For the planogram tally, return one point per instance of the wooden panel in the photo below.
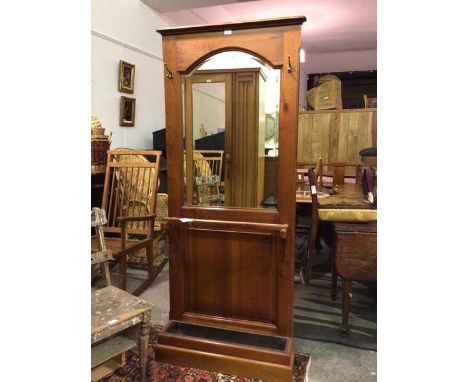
(232, 274)
(191, 51)
(231, 269)
(336, 135)
(356, 255)
(244, 176)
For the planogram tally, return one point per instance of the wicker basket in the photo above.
(100, 143)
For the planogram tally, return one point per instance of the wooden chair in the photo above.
(306, 268)
(119, 320)
(369, 102)
(337, 170)
(303, 223)
(207, 172)
(130, 198)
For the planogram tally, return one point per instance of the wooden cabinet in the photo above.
(247, 141)
(232, 267)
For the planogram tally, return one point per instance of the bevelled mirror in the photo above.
(230, 118)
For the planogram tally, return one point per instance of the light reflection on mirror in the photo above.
(230, 117)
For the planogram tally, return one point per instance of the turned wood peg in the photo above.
(283, 233)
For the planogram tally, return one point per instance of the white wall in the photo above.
(209, 108)
(340, 61)
(125, 30)
(303, 88)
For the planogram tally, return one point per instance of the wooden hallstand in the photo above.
(231, 268)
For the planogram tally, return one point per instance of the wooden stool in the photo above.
(354, 257)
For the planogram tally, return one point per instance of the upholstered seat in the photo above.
(347, 215)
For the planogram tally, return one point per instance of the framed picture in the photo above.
(127, 111)
(126, 77)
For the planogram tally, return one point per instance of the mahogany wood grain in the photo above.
(230, 349)
(238, 25)
(230, 323)
(237, 266)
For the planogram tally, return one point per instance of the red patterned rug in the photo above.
(158, 372)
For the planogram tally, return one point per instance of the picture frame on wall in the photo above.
(127, 111)
(126, 77)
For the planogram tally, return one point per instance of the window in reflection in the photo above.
(231, 132)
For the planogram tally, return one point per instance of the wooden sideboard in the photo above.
(336, 135)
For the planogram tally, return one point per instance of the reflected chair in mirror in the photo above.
(119, 320)
(207, 172)
(130, 200)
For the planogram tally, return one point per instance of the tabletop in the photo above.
(348, 195)
(113, 309)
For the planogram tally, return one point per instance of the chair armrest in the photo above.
(135, 218)
(101, 256)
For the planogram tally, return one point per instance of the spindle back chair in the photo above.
(129, 199)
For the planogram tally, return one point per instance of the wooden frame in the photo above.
(126, 77)
(250, 238)
(127, 111)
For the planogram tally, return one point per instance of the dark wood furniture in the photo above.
(354, 258)
(129, 199)
(232, 268)
(119, 320)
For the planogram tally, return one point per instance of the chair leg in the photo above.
(308, 266)
(144, 339)
(346, 290)
(150, 259)
(123, 273)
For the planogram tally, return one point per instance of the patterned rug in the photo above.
(318, 317)
(158, 372)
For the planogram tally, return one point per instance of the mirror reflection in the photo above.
(231, 104)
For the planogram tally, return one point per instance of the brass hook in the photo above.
(169, 73)
(290, 69)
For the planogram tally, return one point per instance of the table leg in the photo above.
(144, 339)
(333, 273)
(346, 290)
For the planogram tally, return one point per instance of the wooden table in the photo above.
(353, 244)
(349, 190)
(354, 258)
(119, 321)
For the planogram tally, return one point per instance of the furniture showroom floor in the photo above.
(329, 362)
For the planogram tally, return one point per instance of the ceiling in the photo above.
(331, 26)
